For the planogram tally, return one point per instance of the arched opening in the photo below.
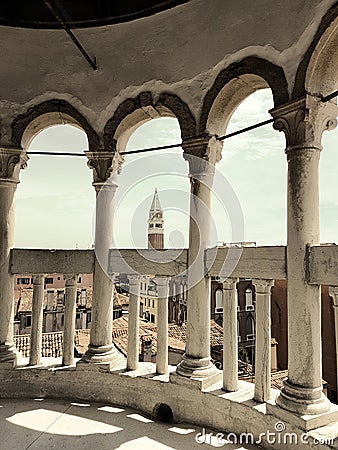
(250, 328)
(164, 170)
(163, 413)
(320, 77)
(219, 300)
(55, 199)
(253, 163)
(321, 72)
(249, 306)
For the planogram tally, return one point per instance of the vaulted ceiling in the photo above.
(79, 13)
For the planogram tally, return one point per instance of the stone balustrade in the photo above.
(262, 265)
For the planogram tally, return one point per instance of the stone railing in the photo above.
(262, 265)
(70, 263)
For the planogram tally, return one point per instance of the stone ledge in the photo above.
(304, 422)
(200, 384)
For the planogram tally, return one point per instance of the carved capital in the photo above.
(333, 293)
(38, 279)
(263, 286)
(205, 147)
(229, 284)
(104, 165)
(12, 160)
(202, 155)
(70, 279)
(304, 121)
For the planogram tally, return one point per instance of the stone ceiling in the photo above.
(78, 14)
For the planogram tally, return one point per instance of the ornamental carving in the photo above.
(104, 164)
(12, 160)
(202, 154)
(304, 121)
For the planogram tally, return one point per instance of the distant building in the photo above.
(156, 224)
(54, 302)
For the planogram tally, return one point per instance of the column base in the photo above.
(303, 401)
(196, 367)
(105, 354)
(8, 353)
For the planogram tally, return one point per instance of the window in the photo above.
(250, 328)
(23, 281)
(238, 331)
(158, 225)
(248, 300)
(49, 280)
(59, 278)
(79, 280)
(28, 321)
(153, 303)
(152, 320)
(151, 225)
(219, 300)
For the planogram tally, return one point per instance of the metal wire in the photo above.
(329, 97)
(166, 147)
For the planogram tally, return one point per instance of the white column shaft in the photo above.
(133, 323)
(69, 320)
(101, 348)
(37, 319)
(198, 311)
(304, 302)
(263, 340)
(162, 325)
(7, 207)
(230, 341)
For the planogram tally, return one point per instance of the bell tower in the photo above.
(156, 224)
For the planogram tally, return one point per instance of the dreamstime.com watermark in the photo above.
(278, 436)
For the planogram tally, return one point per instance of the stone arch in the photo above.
(233, 85)
(317, 72)
(133, 112)
(52, 112)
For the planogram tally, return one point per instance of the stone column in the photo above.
(133, 323)
(37, 319)
(333, 291)
(101, 349)
(11, 161)
(162, 325)
(202, 155)
(230, 341)
(303, 123)
(69, 319)
(263, 340)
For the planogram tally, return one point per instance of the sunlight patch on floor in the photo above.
(44, 420)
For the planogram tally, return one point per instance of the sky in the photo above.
(56, 201)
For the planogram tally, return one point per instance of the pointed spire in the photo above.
(155, 205)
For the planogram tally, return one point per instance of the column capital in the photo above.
(134, 279)
(70, 279)
(303, 122)
(333, 293)
(202, 153)
(38, 278)
(12, 160)
(161, 281)
(262, 286)
(229, 284)
(104, 165)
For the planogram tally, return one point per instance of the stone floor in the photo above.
(42, 424)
